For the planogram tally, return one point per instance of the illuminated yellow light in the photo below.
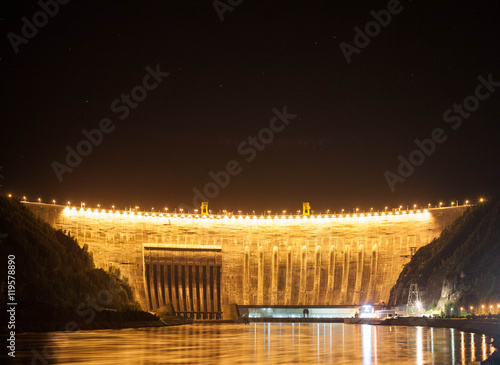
(227, 219)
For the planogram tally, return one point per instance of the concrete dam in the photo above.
(199, 263)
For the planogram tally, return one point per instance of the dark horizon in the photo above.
(201, 89)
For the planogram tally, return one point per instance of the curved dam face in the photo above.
(200, 264)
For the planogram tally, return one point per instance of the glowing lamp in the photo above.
(367, 308)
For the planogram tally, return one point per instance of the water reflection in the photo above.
(366, 331)
(257, 344)
(472, 347)
(420, 351)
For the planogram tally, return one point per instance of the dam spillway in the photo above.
(201, 263)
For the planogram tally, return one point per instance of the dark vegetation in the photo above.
(55, 279)
(461, 267)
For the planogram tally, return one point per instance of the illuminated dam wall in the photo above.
(200, 264)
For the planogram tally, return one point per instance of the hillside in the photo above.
(461, 267)
(55, 279)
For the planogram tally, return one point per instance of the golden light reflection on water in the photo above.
(472, 347)
(258, 344)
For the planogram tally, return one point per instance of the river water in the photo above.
(262, 343)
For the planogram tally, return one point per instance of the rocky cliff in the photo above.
(461, 267)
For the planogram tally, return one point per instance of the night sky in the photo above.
(347, 124)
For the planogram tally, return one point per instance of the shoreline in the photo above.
(41, 327)
(487, 327)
